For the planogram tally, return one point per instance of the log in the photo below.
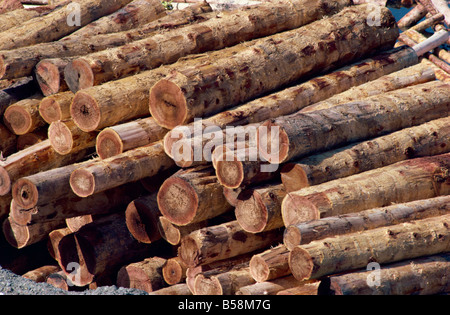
(54, 237)
(127, 167)
(76, 223)
(270, 264)
(177, 289)
(308, 288)
(430, 138)
(174, 271)
(21, 61)
(222, 241)
(5, 206)
(23, 117)
(20, 236)
(270, 287)
(173, 234)
(117, 139)
(226, 283)
(8, 141)
(40, 274)
(146, 275)
(420, 276)
(442, 7)
(44, 187)
(192, 195)
(232, 195)
(293, 99)
(50, 75)
(29, 139)
(306, 232)
(23, 88)
(412, 17)
(37, 158)
(395, 243)
(225, 30)
(111, 201)
(104, 245)
(56, 107)
(405, 106)
(10, 5)
(133, 15)
(58, 280)
(428, 22)
(55, 25)
(141, 217)
(259, 208)
(249, 81)
(415, 179)
(66, 138)
(417, 74)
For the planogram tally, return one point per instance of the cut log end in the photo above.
(48, 77)
(18, 120)
(177, 201)
(134, 277)
(5, 182)
(16, 235)
(140, 223)
(251, 213)
(170, 139)
(50, 110)
(3, 66)
(292, 237)
(78, 75)
(296, 209)
(301, 264)
(294, 177)
(230, 173)
(168, 104)
(82, 183)
(58, 281)
(189, 252)
(207, 286)
(172, 272)
(25, 193)
(168, 232)
(272, 142)
(85, 112)
(60, 137)
(259, 269)
(108, 143)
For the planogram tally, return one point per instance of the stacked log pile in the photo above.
(289, 147)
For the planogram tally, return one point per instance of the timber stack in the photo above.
(289, 147)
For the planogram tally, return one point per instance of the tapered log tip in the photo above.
(251, 213)
(49, 110)
(292, 237)
(17, 119)
(25, 193)
(177, 201)
(5, 182)
(230, 174)
(259, 269)
(48, 77)
(301, 263)
(82, 182)
(294, 177)
(167, 104)
(296, 209)
(85, 112)
(272, 142)
(60, 137)
(78, 75)
(108, 143)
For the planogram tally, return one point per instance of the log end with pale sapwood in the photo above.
(65, 137)
(56, 107)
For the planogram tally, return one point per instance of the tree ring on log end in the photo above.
(109, 143)
(82, 183)
(85, 112)
(251, 213)
(301, 263)
(296, 209)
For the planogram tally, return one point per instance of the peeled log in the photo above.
(350, 122)
(221, 242)
(430, 138)
(37, 158)
(23, 117)
(422, 276)
(259, 208)
(127, 167)
(117, 139)
(102, 245)
(55, 25)
(394, 243)
(306, 232)
(146, 275)
(56, 107)
(66, 138)
(415, 179)
(54, 237)
(192, 195)
(246, 71)
(225, 30)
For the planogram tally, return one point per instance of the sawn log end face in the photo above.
(230, 174)
(259, 269)
(48, 77)
(108, 144)
(296, 209)
(251, 213)
(85, 112)
(301, 263)
(60, 137)
(82, 183)
(25, 193)
(78, 75)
